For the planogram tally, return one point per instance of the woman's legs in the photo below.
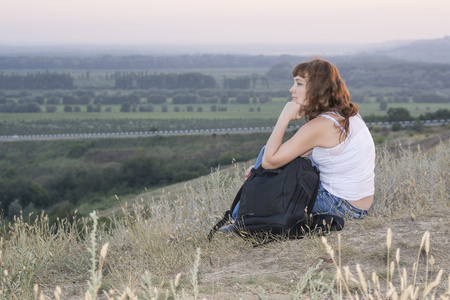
(327, 203)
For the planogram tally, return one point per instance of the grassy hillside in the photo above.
(61, 176)
(159, 249)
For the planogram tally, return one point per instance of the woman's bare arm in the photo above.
(307, 153)
(310, 135)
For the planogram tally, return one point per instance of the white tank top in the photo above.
(347, 170)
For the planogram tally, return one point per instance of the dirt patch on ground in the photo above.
(275, 269)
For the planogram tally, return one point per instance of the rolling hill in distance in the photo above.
(435, 51)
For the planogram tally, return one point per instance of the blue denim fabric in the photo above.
(260, 157)
(327, 203)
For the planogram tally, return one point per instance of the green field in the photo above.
(235, 116)
(267, 110)
(234, 111)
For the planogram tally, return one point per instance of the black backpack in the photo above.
(279, 203)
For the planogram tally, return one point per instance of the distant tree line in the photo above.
(401, 96)
(176, 81)
(132, 80)
(440, 114)
(280, 72)
(24, 101)
(37, 81)
(380, 73)
(415, 76)
(245, 81)
(143, 62)
(20, 108)
(240, 82)
(360, 72)
(400, 114)
(430, 97)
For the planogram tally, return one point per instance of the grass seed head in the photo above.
(433, 284)
(397, 255)
(425, 241)
(329, 250)
(362, 279)
(177, 280)
(104, 250)
(58, 293)
(389, 238)
(347, 273)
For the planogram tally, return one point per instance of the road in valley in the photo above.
(78, 136)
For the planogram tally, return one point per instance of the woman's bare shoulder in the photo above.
(319, 123)
(314, 130)
(325, 132)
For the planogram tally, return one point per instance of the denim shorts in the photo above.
(327, 203)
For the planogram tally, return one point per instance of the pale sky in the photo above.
(144, 22)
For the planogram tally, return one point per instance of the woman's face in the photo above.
(298, 90)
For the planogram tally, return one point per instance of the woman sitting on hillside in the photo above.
(335, 138)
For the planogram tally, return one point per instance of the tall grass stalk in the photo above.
(96, 270)
(194, 273)
(388, 243)
(392, 290)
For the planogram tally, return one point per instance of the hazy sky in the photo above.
(126, 22)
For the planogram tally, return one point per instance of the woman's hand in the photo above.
(248, 172)
(291, 111)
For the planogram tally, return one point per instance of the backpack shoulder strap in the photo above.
(227, 215)
(237, 198)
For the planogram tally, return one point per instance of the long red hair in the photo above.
(325, 91)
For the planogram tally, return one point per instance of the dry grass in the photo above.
(159, 250)
(410, 182)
